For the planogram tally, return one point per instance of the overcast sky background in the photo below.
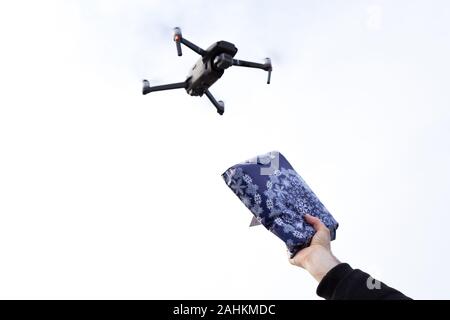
(105, 193)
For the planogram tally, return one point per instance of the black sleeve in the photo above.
(345, 283)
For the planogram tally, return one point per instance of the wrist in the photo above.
(319, 262)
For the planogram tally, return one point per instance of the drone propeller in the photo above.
(177, 36)
(146, 87)
(268, 66)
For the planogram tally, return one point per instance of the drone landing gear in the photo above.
(220, 106)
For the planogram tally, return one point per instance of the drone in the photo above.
(208, 69)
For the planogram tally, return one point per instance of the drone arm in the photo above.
(249, 64)
(266, 66)
(178, 38)
(218, 104)
(193, 47)
(147, 88)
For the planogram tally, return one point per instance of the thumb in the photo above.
(316, 223)
(322, 236)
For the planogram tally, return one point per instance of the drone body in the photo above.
(208, 69)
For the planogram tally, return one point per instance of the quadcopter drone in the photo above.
(208, 69)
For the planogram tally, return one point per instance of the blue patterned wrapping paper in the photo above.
(279, 198)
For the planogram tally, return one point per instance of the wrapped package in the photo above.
(278, 198)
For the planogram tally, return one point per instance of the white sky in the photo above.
(105, 193)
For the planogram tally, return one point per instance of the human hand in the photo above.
(317, 259)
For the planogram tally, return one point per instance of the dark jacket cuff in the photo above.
(331, 280)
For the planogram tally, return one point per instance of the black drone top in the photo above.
(208, 69)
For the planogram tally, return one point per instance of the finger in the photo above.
(298, 259)
(291, 259)
(317, 224)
